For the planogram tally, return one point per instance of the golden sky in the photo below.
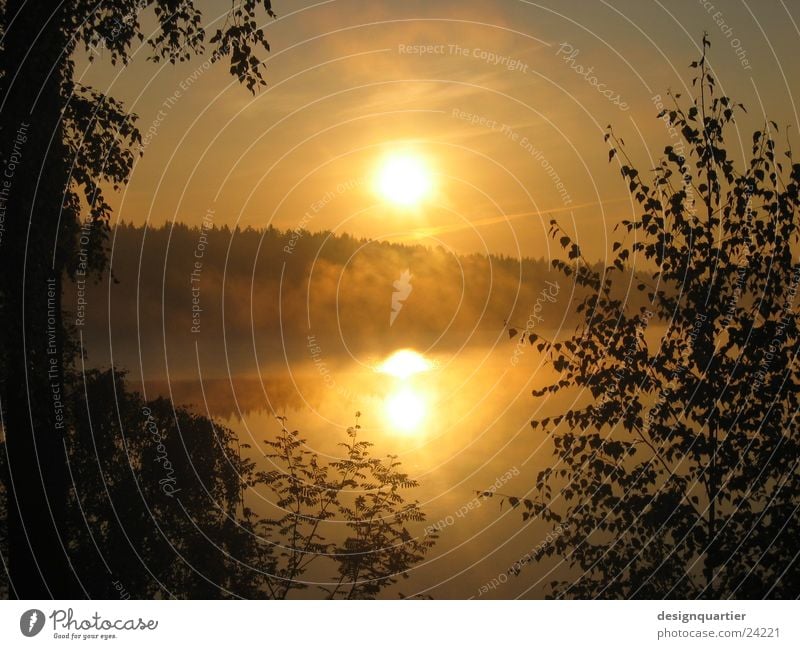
(496, 98)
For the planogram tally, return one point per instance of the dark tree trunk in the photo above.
(33, 185)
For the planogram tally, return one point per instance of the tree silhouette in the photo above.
(362, 494)
(60, 142)
(160, 507)
(4, 592)
(156, 504)
(680, 478)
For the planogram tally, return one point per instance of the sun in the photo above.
(405, 363)
(404, 179)
(406, 409)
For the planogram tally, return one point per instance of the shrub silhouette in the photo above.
(363, 494)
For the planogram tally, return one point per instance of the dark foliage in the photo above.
(64, 141)
(160, 507)
(680, 479)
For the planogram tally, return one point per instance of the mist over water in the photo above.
(244, 326)
(458, 427)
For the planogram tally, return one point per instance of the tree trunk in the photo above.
(713, 492)
(33, 186)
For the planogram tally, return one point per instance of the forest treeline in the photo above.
(248, 296)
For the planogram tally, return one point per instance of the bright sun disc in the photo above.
(404, 179)
(405, 363)
(405, 410)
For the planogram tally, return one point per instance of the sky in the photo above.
(504, 103)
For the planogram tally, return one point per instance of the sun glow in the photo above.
(406, 405)
(406, 409)
(404, 179)
(405, 363)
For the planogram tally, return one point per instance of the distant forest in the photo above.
(171, 285)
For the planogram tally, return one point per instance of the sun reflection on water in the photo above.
(406, 406)
(406, 409)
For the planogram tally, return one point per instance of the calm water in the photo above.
(459, 422)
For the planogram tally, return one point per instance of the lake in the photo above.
(459, 422)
